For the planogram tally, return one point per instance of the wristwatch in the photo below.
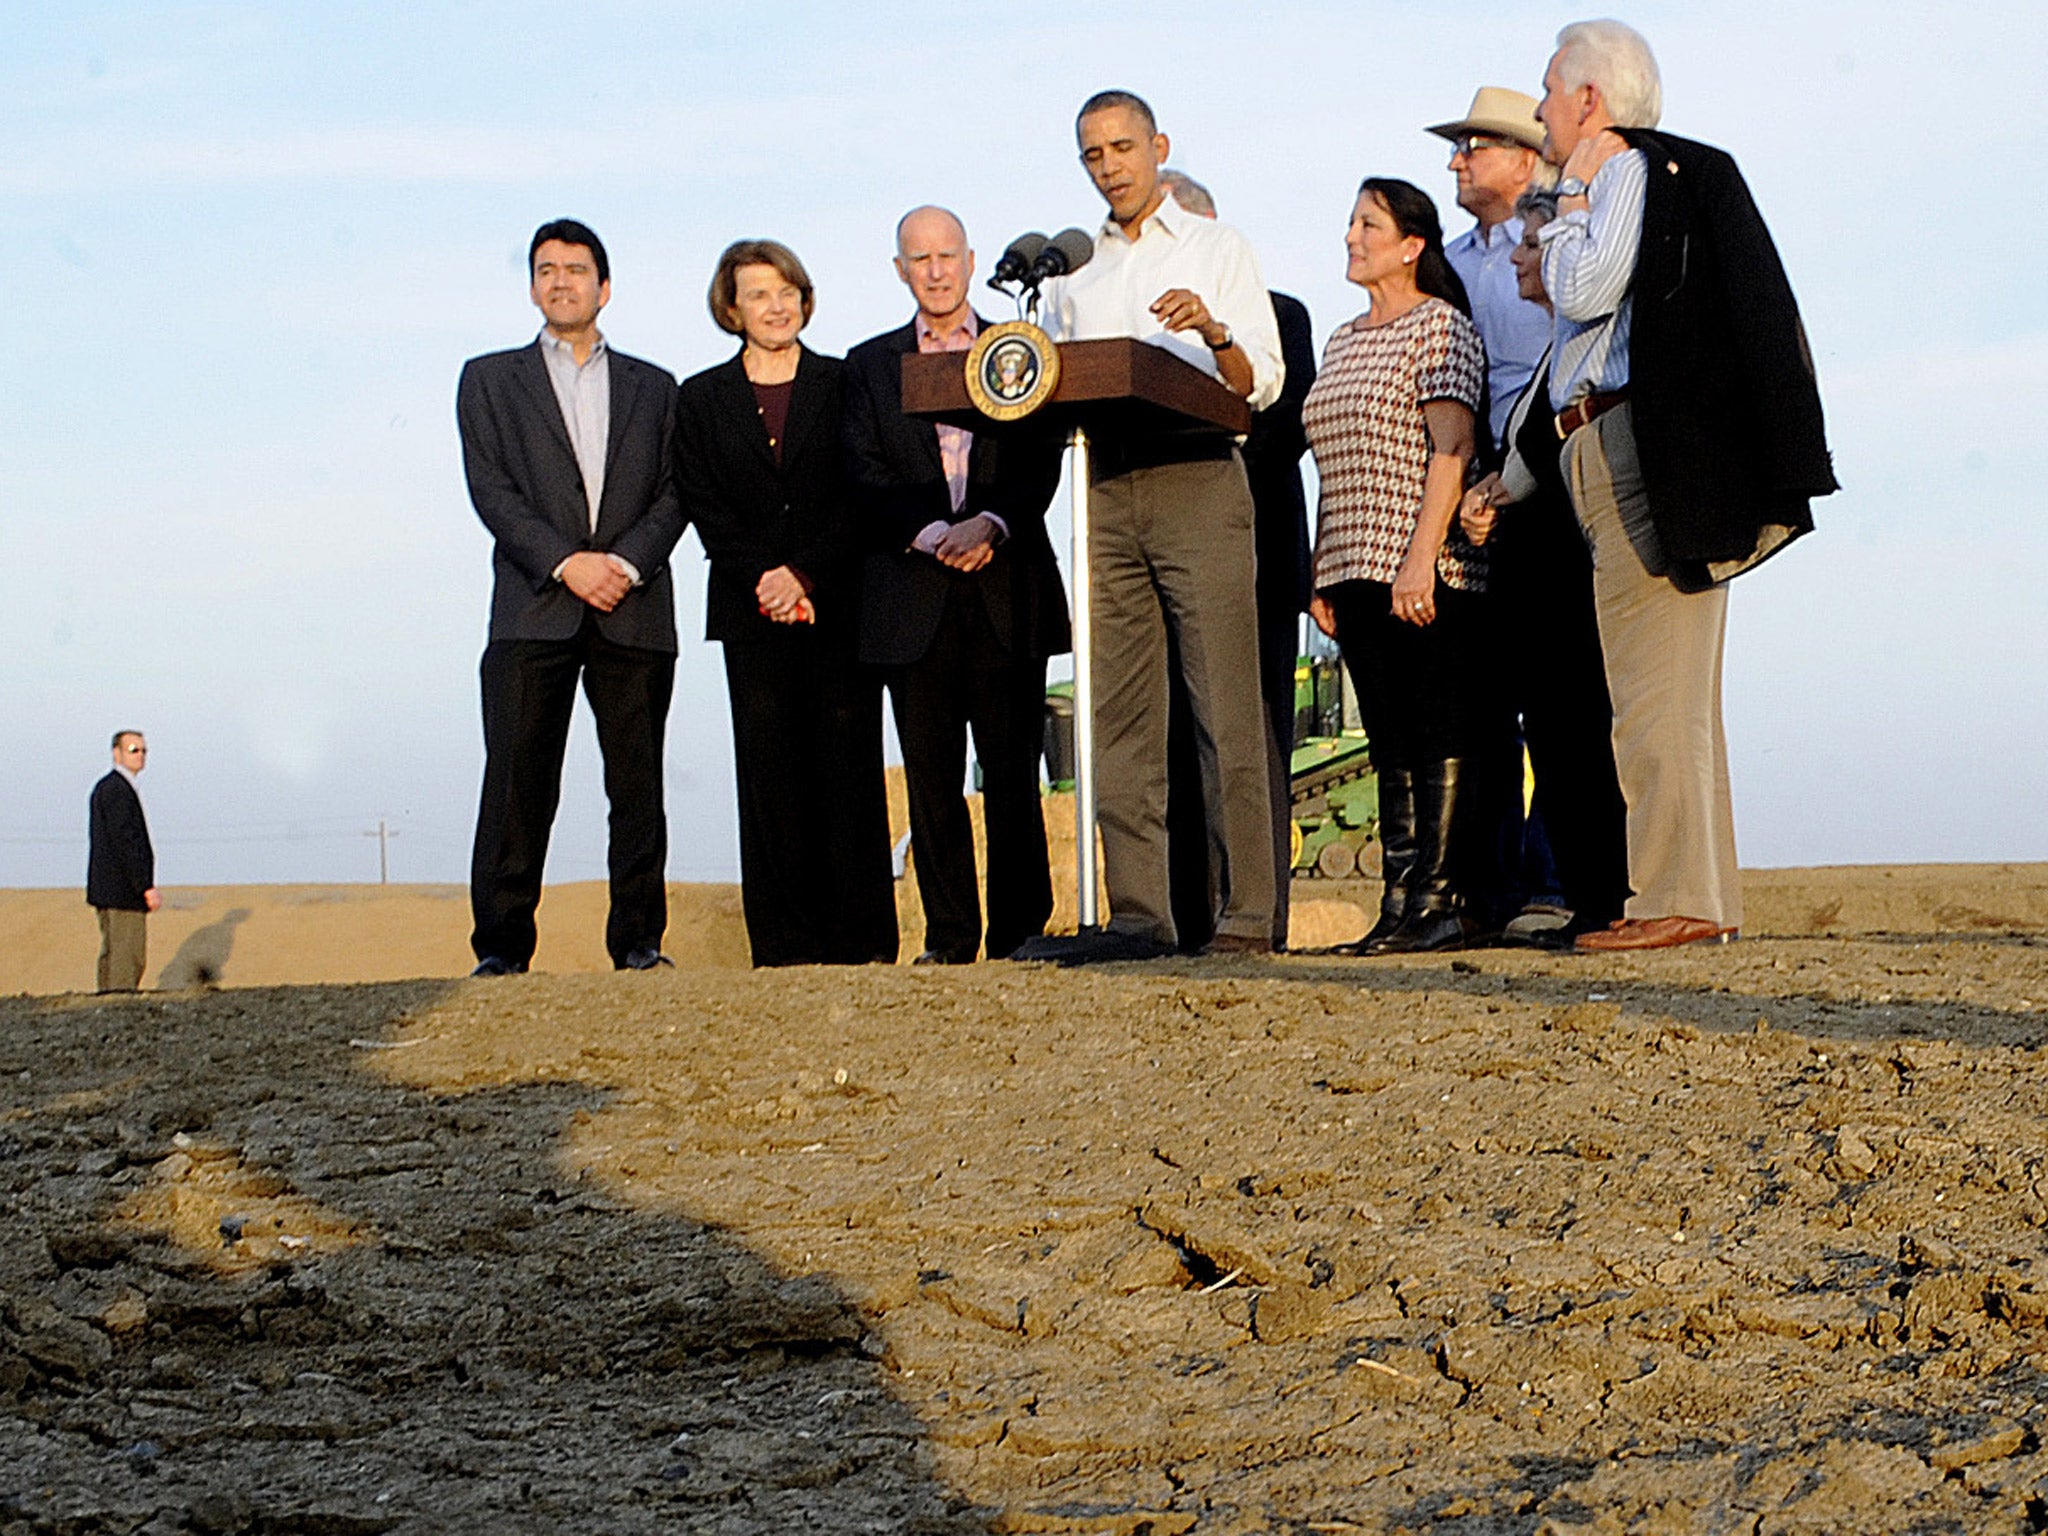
(1225, 344)
(1571, 186)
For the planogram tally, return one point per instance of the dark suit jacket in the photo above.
(1272, 464)
(899, 488)
(754, 514)
(1726, 409)
(527, 489)
(121, 865)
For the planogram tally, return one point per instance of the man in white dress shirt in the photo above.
(1171, 546)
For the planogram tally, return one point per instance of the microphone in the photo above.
(1015, 262)
(1067, 251)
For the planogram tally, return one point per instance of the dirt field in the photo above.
(1748, 1239)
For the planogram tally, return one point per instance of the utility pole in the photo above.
(383, 834)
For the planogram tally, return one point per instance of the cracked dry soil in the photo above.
(1744, 1240)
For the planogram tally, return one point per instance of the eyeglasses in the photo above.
(1465, 143)
(137, 751)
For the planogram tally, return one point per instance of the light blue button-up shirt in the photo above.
(1516, 332)
(1589, 261)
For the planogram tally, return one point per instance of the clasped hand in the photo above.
(1479, 512)
(780, 595)
(968, 545)
(594, 578)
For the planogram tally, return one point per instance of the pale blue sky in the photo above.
(256, 242)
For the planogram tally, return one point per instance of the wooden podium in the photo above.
(1122, 387)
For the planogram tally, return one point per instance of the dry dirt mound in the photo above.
(1744, 1239)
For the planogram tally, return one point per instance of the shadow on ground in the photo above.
(249, 1285)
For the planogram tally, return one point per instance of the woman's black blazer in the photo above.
(754, 514)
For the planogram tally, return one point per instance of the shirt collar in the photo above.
(971, 325)
(127, 773)
(1508, 230)
(551, 343)
(1169, 216)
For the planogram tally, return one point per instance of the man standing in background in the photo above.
(120, 871)
(1567, 859)
(1272, 466)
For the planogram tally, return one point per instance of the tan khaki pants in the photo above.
(1662, 649)
(124, 948)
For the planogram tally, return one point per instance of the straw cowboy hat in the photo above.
(1501, 112)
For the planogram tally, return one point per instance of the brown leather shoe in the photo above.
(1655, 933)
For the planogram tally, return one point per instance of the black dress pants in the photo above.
(815, 879)
(1543, 575)
(1427, 691)
(529, 691)
(967, 680)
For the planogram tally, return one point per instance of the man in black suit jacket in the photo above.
(962, 603)
(1272, 465)
(120, 871)
(565, 445)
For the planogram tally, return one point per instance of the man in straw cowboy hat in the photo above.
(1496, 154)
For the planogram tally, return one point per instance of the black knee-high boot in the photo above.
(1397, 853)
(1434, 918)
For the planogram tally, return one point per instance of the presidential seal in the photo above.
(1012, 369)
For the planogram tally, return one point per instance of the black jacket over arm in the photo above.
(1726, 407)
(899, 487)
(754, 514)
(526, 487)
(121, 865)
(1272, 465)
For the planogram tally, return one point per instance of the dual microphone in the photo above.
(1031, 258)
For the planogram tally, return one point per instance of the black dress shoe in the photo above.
(497, 965)
(945, 957)
(646, 958)
(1565, 940)
(1098, 947)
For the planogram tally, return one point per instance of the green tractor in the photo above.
(1336, 801)
(1336, 798)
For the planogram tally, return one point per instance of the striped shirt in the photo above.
(1589, 261)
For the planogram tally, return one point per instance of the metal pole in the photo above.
(1084, 696)
(383, 855)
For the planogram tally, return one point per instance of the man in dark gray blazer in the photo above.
(120, 871)
(961, 604)
(565, 445)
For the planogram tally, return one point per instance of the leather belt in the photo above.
(1109, 458)
(1585, 409)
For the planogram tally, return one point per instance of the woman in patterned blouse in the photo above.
(1390, 420)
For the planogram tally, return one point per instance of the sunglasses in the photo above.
(1466, 143)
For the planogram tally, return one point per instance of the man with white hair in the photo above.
(1690, 419)
(961, 604)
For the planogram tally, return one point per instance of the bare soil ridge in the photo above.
(306, 934)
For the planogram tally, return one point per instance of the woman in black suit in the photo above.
(758, 469)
